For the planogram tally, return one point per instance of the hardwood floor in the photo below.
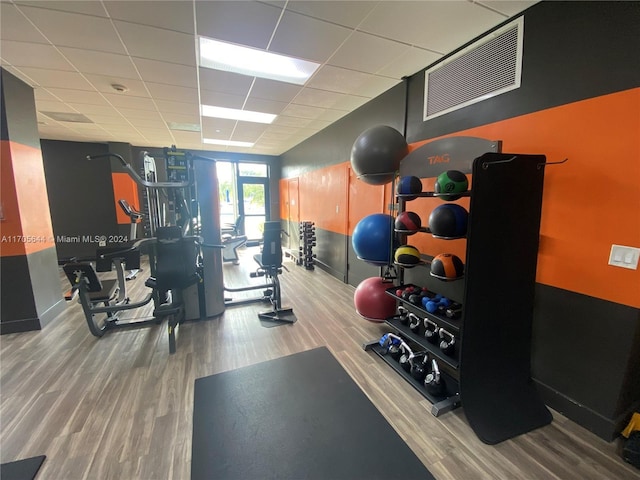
(120, 407)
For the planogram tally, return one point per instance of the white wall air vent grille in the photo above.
(487, 68)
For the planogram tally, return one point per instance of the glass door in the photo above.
(253, 200)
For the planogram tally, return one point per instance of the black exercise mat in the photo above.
(296, 417)
(26, 469)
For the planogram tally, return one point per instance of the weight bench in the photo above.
(269, 266)
(232, 240)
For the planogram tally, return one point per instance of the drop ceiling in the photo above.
(131, 69)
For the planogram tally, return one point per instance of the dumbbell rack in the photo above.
(489, 374)
(307, 242)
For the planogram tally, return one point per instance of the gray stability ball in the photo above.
(376, 154)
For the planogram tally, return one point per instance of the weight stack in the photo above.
(307, 242)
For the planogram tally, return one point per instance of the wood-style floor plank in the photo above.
(120, 407)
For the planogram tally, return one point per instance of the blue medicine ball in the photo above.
(372, 237)
(409, 185)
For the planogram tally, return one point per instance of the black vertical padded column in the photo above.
(31, 289)
(498, 396)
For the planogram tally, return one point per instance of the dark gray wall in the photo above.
(80, 195)
(333, 144)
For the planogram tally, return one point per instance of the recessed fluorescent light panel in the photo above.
(235, 114)
(256, 63)
(229, 143)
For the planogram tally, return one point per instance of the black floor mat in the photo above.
(26, 469)
(296, 417)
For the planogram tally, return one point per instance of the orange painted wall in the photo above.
(24, 200)
(590, 202)
(323, 197)
(124, 187)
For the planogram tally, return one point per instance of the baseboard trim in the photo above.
(20, 326)
(606, 428)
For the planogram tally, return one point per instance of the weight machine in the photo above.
(175, 267)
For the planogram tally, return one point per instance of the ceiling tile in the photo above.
(78, 96)
(272, 90)
(184, 138)
(375, 85)
(146, 123)
(265, 106)
(220, 99)
(46, 106)
(412, 60)
(76, 30)
(330, 116)
(221, 19)
(94, 109)
(319, 98)
(225, 82)
(57, 78)
(350, 102)
(336, 79)
(87, 8)
(171, 15)
(103, 83)
(42, 94)
(100, 63)
(307, 38)
(14, 26)
(21, 54)
(135, 114)
(179, 118)
(173, 92)
(366, 53)
(167, 73)
(438, 26)
(248, 132)
(217, 128)
(348, 14)
(285, 121)
(157, 43)
(508, 8)
(167, 106)
(303, 111)
(105, 119)
(128, 101)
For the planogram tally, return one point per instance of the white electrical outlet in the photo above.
(625, 257)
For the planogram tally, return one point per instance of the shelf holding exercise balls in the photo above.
(376, 154)
(371, 300)
(373, 239)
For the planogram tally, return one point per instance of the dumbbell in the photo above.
(431, 331)
(433, 382)
(454, 310)
(433, 305)
(447, 343)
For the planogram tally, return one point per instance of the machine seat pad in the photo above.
(109, 288)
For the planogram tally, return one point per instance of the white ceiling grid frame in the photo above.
(99, 43)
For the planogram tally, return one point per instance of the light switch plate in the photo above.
(625, 257)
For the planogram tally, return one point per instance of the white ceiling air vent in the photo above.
(482, 70)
